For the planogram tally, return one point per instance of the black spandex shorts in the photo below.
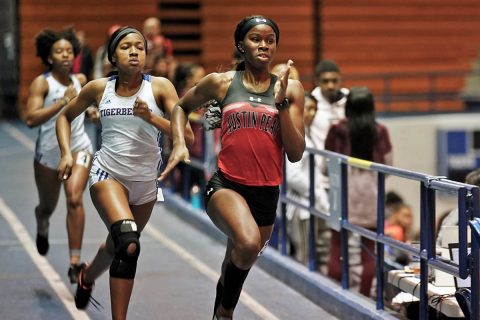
(262, 200)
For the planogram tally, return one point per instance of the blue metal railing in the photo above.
(468, 210)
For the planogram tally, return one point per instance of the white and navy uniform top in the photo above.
(130, 146)
(47, 137)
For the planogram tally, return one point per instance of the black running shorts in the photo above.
(262, 200)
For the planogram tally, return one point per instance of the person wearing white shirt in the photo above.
(331, 99)
(298, 188)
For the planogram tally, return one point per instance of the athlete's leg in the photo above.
(106, 252)
(265, 235)
(48, 187)
(121, 289)
(219, 288)
(229, 211)
(110, 198)
(231, 214)
(74, 187)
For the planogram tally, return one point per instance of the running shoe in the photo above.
(42, 234)
(42, 244)
(84, 291)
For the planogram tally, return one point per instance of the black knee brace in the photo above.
(124, 264)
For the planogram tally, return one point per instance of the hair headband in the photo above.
(112, 45)
(255, 21)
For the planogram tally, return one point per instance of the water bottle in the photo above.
(195, 199)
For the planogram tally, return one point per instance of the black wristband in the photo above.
(283, 104)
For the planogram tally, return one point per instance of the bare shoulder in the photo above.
(296, 84)
(40, 82)
(39, 87)
(218, 81)
(161, 82)
(163, 87)
(97, 84)
(223, 77)
(95, 88)
(295, 88)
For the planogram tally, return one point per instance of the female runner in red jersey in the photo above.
(261, 119)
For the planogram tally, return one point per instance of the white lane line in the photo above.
(52, 277)
(245, 298)
(18, 135)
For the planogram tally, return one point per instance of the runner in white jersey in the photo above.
(49, 93)
(46, 148)
(123, 178)
(129, 145)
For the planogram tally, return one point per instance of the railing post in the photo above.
(312, 259)
(380, 231)
(427, 204)
(343, 231)
(475, 271)
(423, 309)
(430, 245)
(463, 210)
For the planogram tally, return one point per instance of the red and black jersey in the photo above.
(252, 152)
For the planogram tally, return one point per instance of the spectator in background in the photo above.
(156, 42)
(359, 136)
(398, 226)
(160, 67)
(187, 75)
(392, 201)
(331, 99)
(102, 67)
(298, 188)
(83, 62)
(164, 67)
